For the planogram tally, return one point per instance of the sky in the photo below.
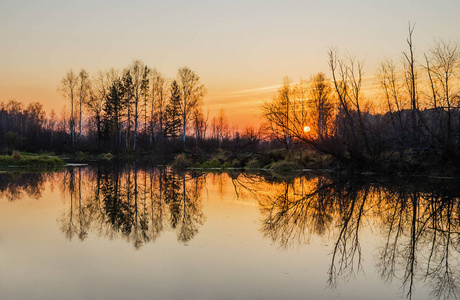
(240, 49)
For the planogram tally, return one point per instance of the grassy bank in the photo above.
(278, 161)
(29, 160)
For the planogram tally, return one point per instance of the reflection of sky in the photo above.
(229, 257)
(232, 45)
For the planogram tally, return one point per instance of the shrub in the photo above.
(181, 162)
(106, 156)
(226, 165)
(254, 164)
(284, 167)
(16, 155)
(212, 164)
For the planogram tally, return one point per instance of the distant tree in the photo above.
(51, 126)
(220, 126)
(277, 115)
(351, 127)
(84, 91)
(392, 85)
(145, 93)
(411, 82)
(128, 91)
(321, 97)
(192, 93)
(173, 111)
(200, 124)
(135, 90)
(443, 67)
(35, 120)
(100, 86)
(159, 91)
(69, 88)
(112, 113)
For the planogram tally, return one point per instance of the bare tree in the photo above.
(347, 76)
(220, 126)
(160, 86)
(69, 89)
(321, 98)
(443, 67)
(392, 85)
(84, 91)
(411, 82)
(138, 70)
(192, 93)
(277, 114)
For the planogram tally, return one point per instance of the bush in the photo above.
(284, 167)
(212, 164)
(272, 156)
(254, 164)
(226, 165)
(181, 162)
(16, 155)
(106, 156)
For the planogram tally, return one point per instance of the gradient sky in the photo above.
(240, 49)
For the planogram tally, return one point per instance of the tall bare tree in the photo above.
(160, 87)
(443, 67)
(411, 82)
(192, 93)
(69, 88)
(278, 115)
(347, 76)
(137, 70)
(321, 97)
(84, 90)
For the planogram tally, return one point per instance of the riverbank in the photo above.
(277, 161)
(284, 162)
(30, 160)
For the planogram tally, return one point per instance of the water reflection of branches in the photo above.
(14, 186)
(415, 222)
(132, 203)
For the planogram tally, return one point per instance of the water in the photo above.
(128, 231)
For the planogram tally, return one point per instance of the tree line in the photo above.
(136, 109)
(420, 117)
(136, 106)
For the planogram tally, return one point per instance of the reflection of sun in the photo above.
(306, 129)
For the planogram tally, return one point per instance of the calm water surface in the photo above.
(128, 231)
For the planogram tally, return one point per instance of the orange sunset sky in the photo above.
(240, 49)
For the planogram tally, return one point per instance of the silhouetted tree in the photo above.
(69, 84)
(173, 111)
(192, 92)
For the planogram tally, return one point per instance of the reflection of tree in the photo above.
(429, 250)
(293, 211)
(13, 186)
(123, 200)
(184, 201)
(421, 226)
(67, 220)
(78, 218)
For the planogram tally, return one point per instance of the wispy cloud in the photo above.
(255, 91)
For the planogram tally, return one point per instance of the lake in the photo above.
(136, 231)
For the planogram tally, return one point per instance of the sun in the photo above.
(306, 129)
